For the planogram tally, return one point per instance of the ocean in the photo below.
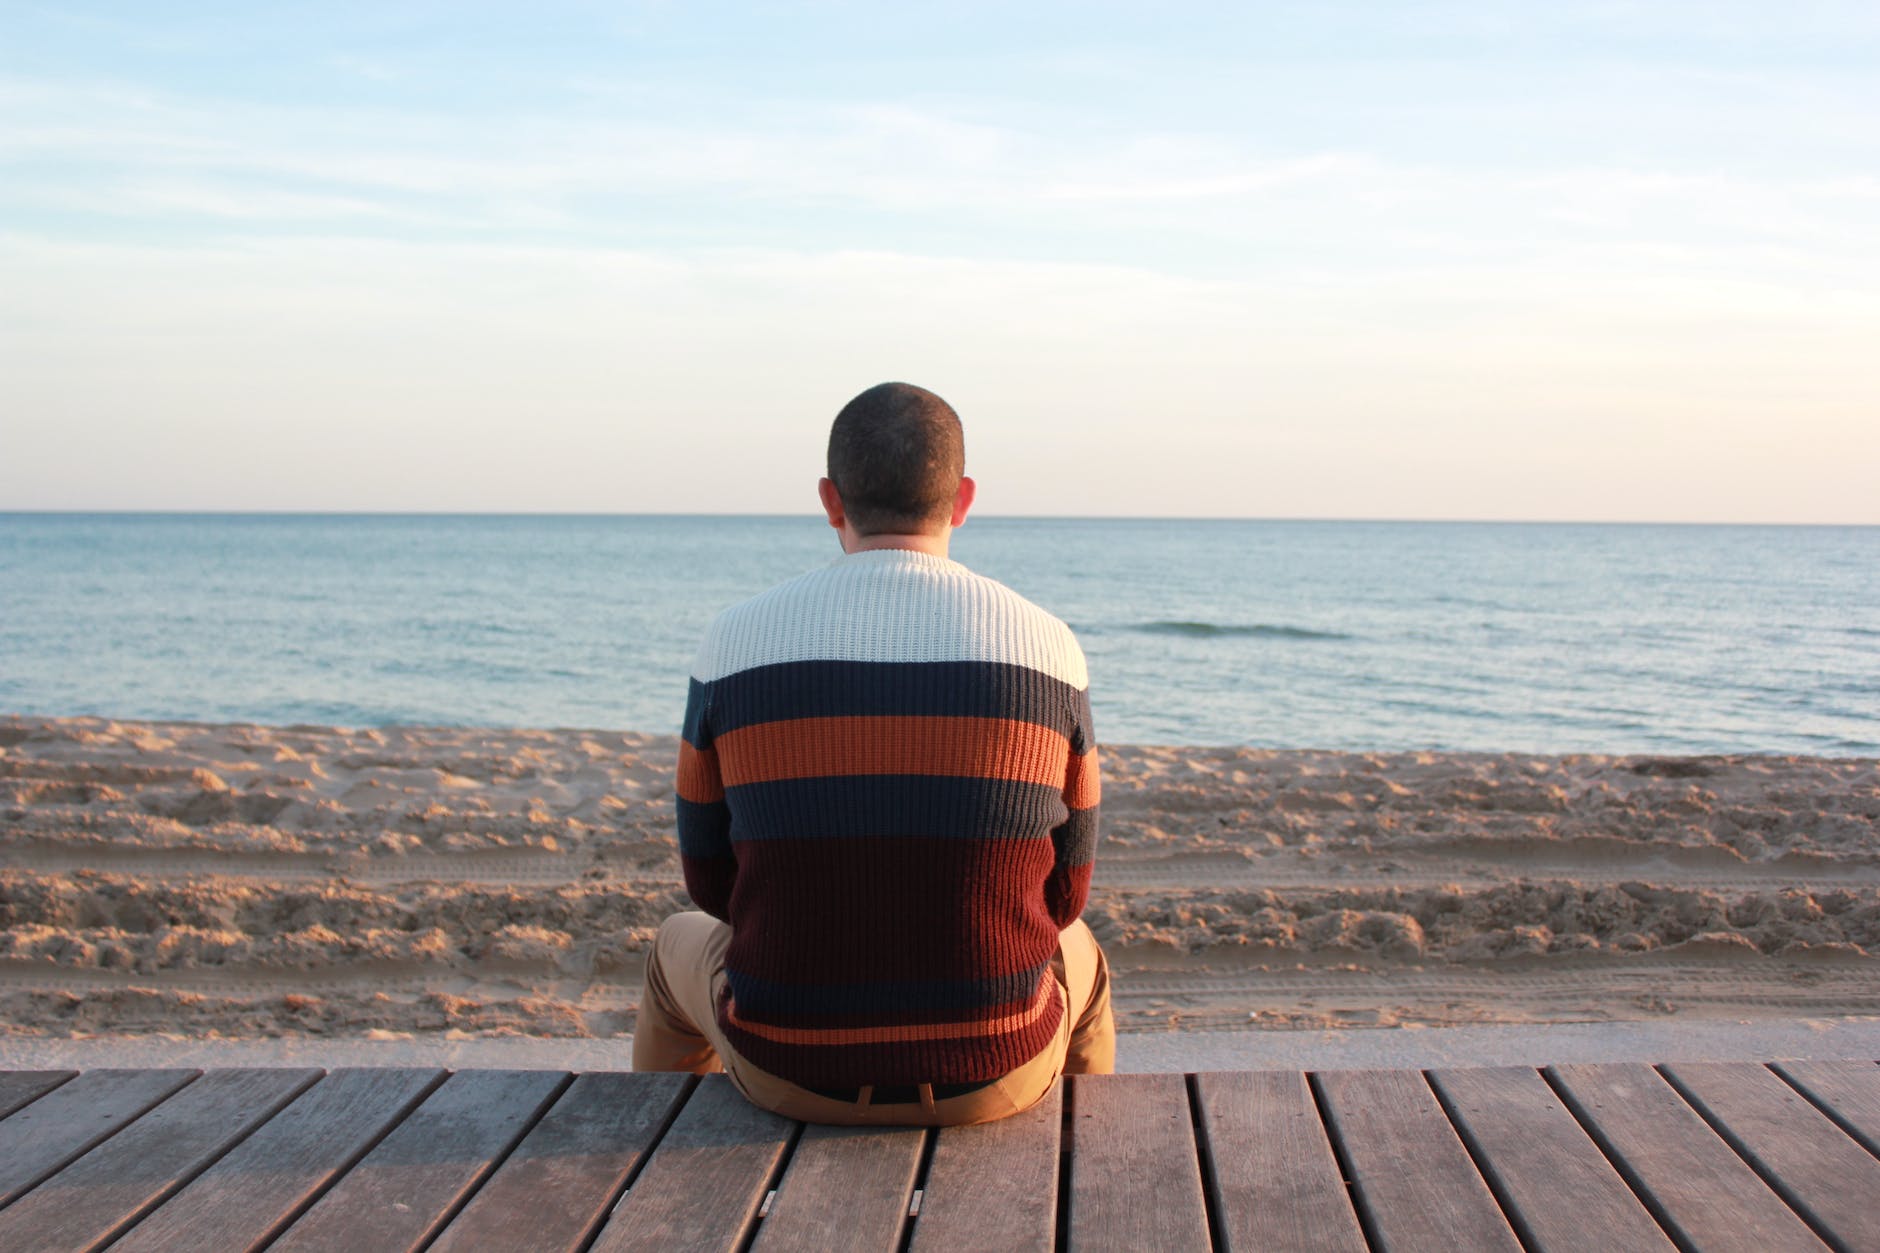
(1546, 638)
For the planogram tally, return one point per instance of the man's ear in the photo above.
(962, 499)
(832, 502)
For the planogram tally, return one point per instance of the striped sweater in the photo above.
(888, 787)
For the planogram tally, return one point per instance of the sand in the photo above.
(231, 882)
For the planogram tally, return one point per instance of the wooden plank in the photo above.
(22, 1087)
(254, 1191)
(1811, 1163)
(554, 1191)
(993, 1187)
(1558, 1187)
(847, 1187)
(69, 1120)
(702, 1187)
(109, 1188)
(1269, 1165)
(1693, 1183)
(407, 1187)
(1416, 1186)
(1135, 1178)
(1849, 1093)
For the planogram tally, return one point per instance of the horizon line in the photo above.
(990, 517)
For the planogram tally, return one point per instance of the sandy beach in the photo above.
(248, 882)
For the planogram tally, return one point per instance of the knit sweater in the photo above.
(888, 787)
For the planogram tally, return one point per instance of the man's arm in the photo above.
(704, 818)
(1075, 842)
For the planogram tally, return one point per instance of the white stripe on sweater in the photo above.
(890, 605)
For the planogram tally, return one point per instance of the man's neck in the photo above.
(934, 545)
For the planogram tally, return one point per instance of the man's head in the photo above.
(896, 462)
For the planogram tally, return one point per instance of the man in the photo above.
(887, 812)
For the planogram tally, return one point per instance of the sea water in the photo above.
(1357, 635)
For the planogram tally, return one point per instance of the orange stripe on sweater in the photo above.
(1040, 1005)
(802, 748)
(1082, 788)
(698, 780)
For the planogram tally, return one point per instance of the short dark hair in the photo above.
(896, 454)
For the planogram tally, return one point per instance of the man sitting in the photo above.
(887, 812)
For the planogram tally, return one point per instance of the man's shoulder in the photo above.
(890, 606)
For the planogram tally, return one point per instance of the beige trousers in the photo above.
(678, 1030)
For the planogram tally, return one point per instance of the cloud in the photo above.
(116, 162)
(346, 373)
(394, 282)
(882, 154)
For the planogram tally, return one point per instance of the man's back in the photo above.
(887, 812)
(888, 788)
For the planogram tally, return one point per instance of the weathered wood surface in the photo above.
(1416, 1186)
(117, 1182)
(1712, 1157)
(555, 1190)
(847, 1187)
(409, 1185)
(1848, 1092)
(1135, 1173)
(21, 1087)
(1811, 1163)
(702, 1188)
(64, 1123)
(993, 1188)
(1270, 1165)
(1555, 1184)
(251, 1194)
(1694, 1183)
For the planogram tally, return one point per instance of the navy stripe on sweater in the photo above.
(1077, 838)
(832, 689)
(890, 805)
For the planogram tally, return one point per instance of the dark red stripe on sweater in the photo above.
(960, 909)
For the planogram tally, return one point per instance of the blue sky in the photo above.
(1497, 260)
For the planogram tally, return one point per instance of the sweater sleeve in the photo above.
(704, 817)
(1074, 843)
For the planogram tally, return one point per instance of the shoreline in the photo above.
(15, 719)
(298, 885)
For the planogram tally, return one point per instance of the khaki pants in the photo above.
(678, 1030)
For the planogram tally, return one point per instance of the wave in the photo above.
(1257, 630)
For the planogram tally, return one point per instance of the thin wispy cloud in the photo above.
(1253, 226)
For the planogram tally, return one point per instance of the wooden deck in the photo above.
(1624, 1157)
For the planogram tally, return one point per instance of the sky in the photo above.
(1474, 259)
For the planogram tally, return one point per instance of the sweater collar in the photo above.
(891, 557)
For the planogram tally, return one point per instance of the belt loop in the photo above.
(866, 1095)
(926, 1097)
